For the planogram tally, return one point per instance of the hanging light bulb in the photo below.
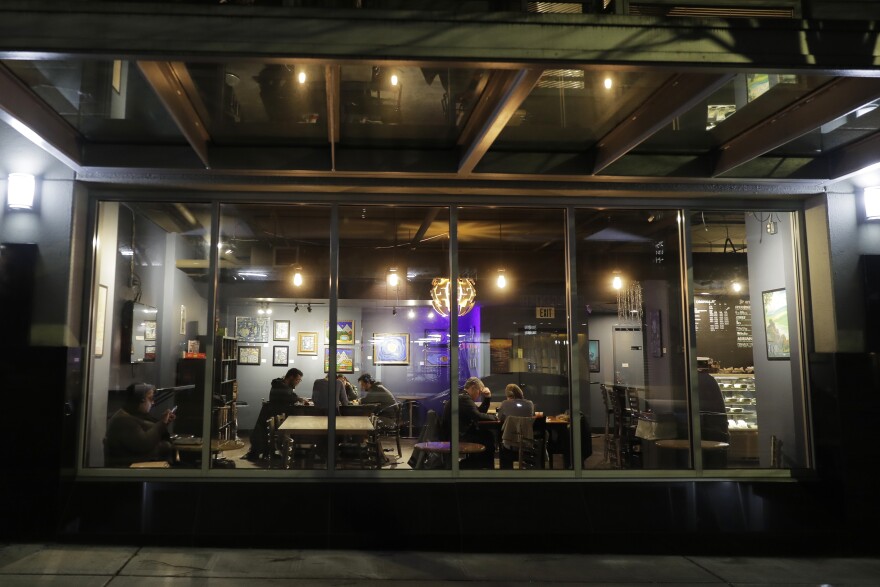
(737, 286)
(301, 77)
(393, 278)
(608, 83)
(297, 276)
(501, 281)
(411, 314)
(394, 79)
(617, 282)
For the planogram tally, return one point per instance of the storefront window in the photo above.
(150, 314)
(747, 339)
(514, 338)
(632, 364)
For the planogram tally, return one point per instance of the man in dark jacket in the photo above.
(378, 394)
(468, 430)
(281, 398)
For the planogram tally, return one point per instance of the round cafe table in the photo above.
(411, 400)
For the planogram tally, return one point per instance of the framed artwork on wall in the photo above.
(344, 360)
(281, 330)
(499, 355)
(149, 330)
(149, 353)
(593, 355)
(280, 356)
(391, 348)
(249, 329)
(436, 356)
(344, 332)
(307, 343)
(776, 325)
(248, 355)
(182, 329)
(436, 336)
(655, 333)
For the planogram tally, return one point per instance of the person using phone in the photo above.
(133, 433)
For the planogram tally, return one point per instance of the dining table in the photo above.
(319, 426)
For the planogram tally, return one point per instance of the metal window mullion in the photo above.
(454, 341)
(573, 346)
(689, 314)
(214, 272)
(333, 317)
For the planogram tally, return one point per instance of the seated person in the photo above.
(713, 415)
(468, 416)
(515, 404)
(350, 391)
(133, 434)
(321, 393)
(281, 398)
(378, 394)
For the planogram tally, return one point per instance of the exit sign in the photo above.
(545, 312)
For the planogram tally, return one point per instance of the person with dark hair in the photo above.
(133, 434)
(350, 391)
(376, 393)
(281, 398)
(321, 393)
(516, 404)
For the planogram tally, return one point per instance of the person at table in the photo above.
(321, 393)
(281, 398)
(516, 403)
(376, 393)
(350, 392)
(469, 414)
(135, 435)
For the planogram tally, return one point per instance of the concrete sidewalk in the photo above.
(129, 566)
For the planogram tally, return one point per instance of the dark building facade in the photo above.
(653, 218)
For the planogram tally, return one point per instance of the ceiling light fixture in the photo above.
(297, 276)
(629, 303)
(617, 282)
(309, 307)
(501, 281)
(296, 307)
(20, 191)
(608, 83)
(301, 78)
(441, 295)
(411, 314)
(737, 286)
(392, 278)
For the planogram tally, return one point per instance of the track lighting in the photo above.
(309, 307)
(296, 307)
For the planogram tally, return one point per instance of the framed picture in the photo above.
(149, 330)
(655, 333)
(344, 360)
(593, 355)
(182, 320)
(307, 343)
(344, 332)
(280, 356)
(776, 325)
(149, 353)
(281, 330)
(436, 336)
(100, 320)
(248, 355)
(391, 348)
(499, 355)
(249, 329)
(436, 356)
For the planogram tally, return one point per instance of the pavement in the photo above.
(136, 566)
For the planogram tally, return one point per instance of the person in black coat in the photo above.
(469, 414)
(281, 399)
(133, 434)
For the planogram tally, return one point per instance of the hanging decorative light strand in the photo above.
(629, 302)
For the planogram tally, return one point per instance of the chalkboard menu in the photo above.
(724, 329)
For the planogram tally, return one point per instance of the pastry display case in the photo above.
(741, 406)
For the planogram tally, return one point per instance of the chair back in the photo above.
(362, 410)
(515, 429)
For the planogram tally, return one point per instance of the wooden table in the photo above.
(320, 426)
(685, 444)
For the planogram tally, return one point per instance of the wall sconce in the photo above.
(20, 191)
(872, 203)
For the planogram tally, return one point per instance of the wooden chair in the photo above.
(389, 423)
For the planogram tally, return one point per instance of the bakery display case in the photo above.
(741, 406)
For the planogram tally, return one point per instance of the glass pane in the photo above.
(750, 387)
(391, 343)
(573, 108)
(271, 324)
(407, 106)
(632, 367)
(255, 102)
(150, 326)
(516, 356)
(837, 133)
(744, 101)
(106, 101)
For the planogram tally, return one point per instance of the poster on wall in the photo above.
(344, 332)
(499, 355)
(391, 348)
(593, 355)
(249, 329)
(344, 360)
(776, 325)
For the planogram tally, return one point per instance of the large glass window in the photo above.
(150, 322)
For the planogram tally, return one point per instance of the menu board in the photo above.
(724, 329)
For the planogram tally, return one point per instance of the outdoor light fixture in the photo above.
(20, 191)
(872, 203)
(441, 295)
